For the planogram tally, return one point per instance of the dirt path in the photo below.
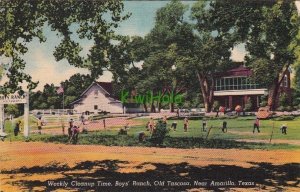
(94, 125)
(18, 154)
(47, 161)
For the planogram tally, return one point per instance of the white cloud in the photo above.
(46, 70)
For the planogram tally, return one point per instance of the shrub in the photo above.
(248, 105)
(216, 105)
(263, 104)
(289, 108)
(285, 118)
(281, 108)
(283, 100)
(159, 133)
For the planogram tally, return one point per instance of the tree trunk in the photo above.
(171, 107)
(145, 108)
(158, 106)
(274, 90)
(153, 107)
(273, 93)
(207, 91)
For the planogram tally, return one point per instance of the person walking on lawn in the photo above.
(151, 125)
(224, 127)
(185, 124)
(256, 125)
(283, 128)
(203, 124)
(39, 125)
(17, 128)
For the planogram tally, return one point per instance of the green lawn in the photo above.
(238, 128)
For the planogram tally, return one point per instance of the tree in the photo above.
(160, 133)
(271, 45)
(211, 50)
(21, 21)
(49, 98)
(12, 110)
(248, 105)
(167, 45)
(74, 86)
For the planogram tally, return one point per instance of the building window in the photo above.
(234, 83)
(95, 107)
(285, 81)
(96, 92)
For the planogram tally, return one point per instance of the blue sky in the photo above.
(42, 66)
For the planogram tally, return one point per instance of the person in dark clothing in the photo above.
(283, 129)
(217, 115)
(74, 135)
(256, 125)
(224, 127)
(17, 128)
(204, 125)
(71, 124)
(174, 125)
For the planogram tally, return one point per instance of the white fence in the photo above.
(54, 112)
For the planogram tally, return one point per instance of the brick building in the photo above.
(234, 87)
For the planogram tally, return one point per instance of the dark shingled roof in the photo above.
(107, 86)
(240, 70)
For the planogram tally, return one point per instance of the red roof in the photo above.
(239, 71)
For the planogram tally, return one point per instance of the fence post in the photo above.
(26, 115)
(2, 120)
(272, 133)
(208, 132)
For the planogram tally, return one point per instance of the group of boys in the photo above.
(151, 125)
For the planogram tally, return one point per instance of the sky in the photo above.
(41, 64)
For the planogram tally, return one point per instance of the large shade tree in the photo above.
(215, 38)
(22, 21)
(163, 51)
(271, 44)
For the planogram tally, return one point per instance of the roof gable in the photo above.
(105, 86)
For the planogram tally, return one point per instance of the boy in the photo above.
(17, 128)
(283, 129)
(256, 125)
(71, 124)
(39, 125)
(204, 125)
(151, 125)
(174, 125)
(185, 124)
(224, 127)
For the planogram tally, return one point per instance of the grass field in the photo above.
(104, 155)
(238, 129)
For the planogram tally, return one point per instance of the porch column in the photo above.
(230, 102)
(245, 100)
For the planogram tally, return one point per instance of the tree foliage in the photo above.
(50, 99)
(22, 21)
(271, 45)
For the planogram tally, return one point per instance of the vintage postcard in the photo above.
(109, 95)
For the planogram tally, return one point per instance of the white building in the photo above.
(97, 98)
